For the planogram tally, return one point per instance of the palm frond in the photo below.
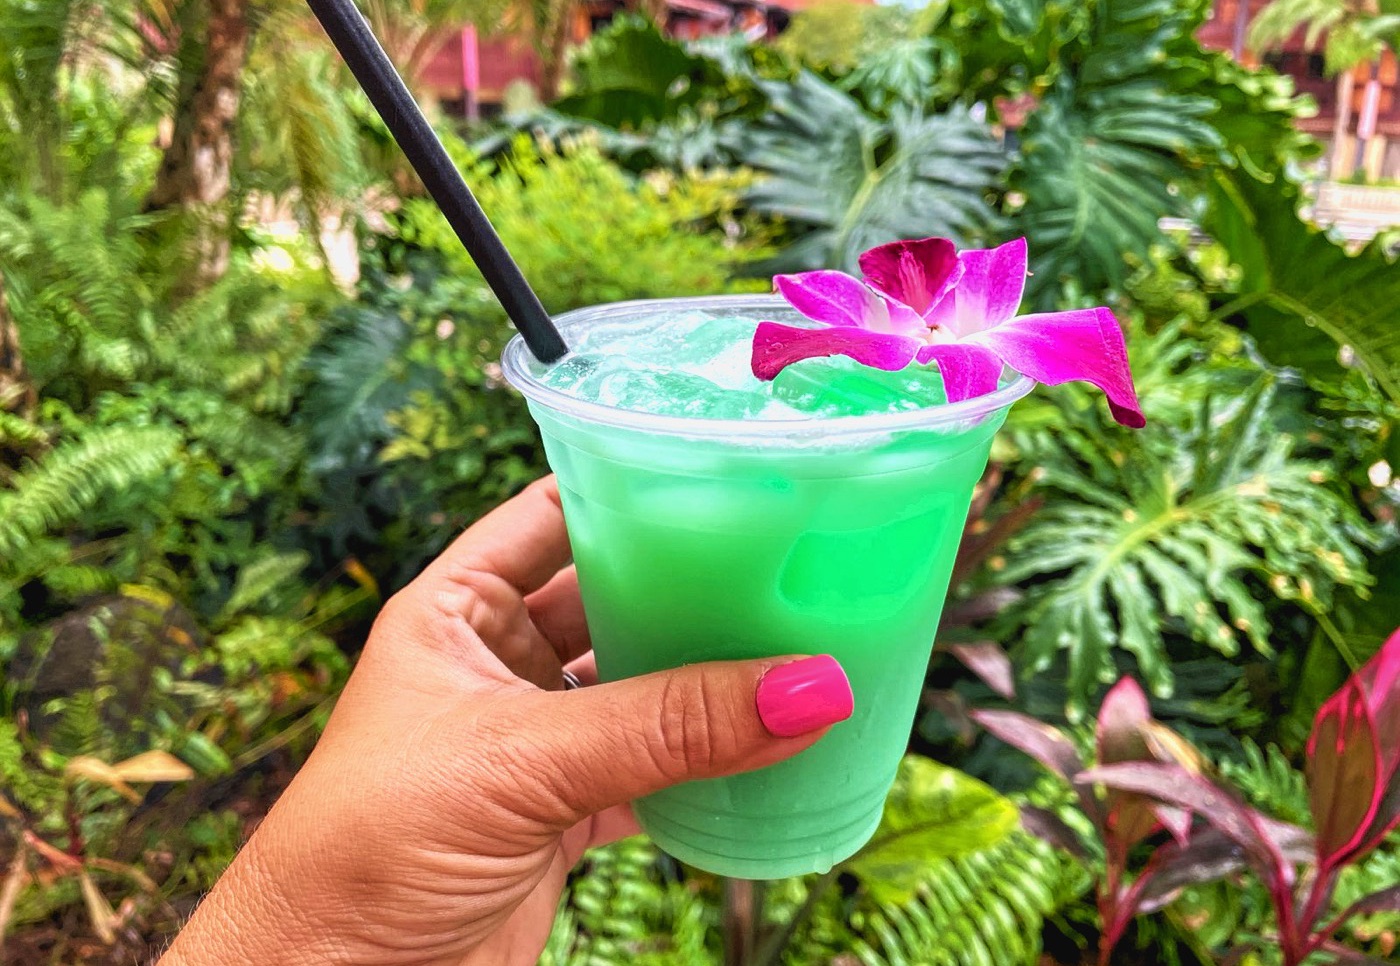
(1281, 19)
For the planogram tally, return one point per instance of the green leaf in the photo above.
(932, 812)
(1100, 168)
(630, 75)
(846, 180)
(206, 757)
(1182, 528)
(1302, 297)
(986, 908)
(54, 491)
(1115, 142)
(263, 577)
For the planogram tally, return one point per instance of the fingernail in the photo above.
(803, 696)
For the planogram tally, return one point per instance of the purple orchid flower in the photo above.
(923, 301)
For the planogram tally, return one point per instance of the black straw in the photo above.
(351, 35)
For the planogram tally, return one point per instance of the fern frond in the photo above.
(621, 911)
(21, 779)
(983, 908)
(75, 581)
(1269, 782)
(263, 577)
(18, 431)
(78, 728)
(56, 490)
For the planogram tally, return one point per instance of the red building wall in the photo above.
(501, 60)
(1306, 66)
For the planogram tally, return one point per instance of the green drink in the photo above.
(714, 517)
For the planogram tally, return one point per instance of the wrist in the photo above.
(248, 918)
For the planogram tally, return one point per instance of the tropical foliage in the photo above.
(1187, 528)
(219, 450)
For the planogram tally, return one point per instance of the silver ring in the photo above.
(571, 681)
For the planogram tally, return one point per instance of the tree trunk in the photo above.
(558, 35)
(17, 394)
(195, 172)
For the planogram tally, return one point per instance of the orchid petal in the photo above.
(916, 273)
(968, 370)
(1084, 344)
(834, 298)
(988, 293)
(776, 346)
(902, 320)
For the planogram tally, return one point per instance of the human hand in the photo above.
(455, 784)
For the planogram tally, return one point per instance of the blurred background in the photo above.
(248, 386)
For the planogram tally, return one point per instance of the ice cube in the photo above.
(843, 387)
(652, 390)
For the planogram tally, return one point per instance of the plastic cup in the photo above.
(704, 540)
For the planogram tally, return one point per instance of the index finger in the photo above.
(522, 541)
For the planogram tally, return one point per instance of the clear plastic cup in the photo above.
(704, 540)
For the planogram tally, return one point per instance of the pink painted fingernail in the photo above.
(803, 696)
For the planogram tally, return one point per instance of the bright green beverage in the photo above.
(790, 527)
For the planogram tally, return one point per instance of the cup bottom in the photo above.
(771, 859)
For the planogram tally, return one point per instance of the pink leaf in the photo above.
(968, 371)
(1176, 821)
(1209, 857)
(1295, 844)
(1343, 769)
(1380, 677)
(777, 346)
(917, 273)
(1049, 827)
(1346, 956)
(1365, 713)
(988, 661)
(1121, 735)
(1040, 741)
(1046, 745)
(1174, 785)
(1386, 900)
(989, 292)
(1123, 716)
(1387, 817)
(1084, 345)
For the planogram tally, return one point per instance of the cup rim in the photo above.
(516, 359)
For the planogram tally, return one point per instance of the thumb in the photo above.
(609, 744)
